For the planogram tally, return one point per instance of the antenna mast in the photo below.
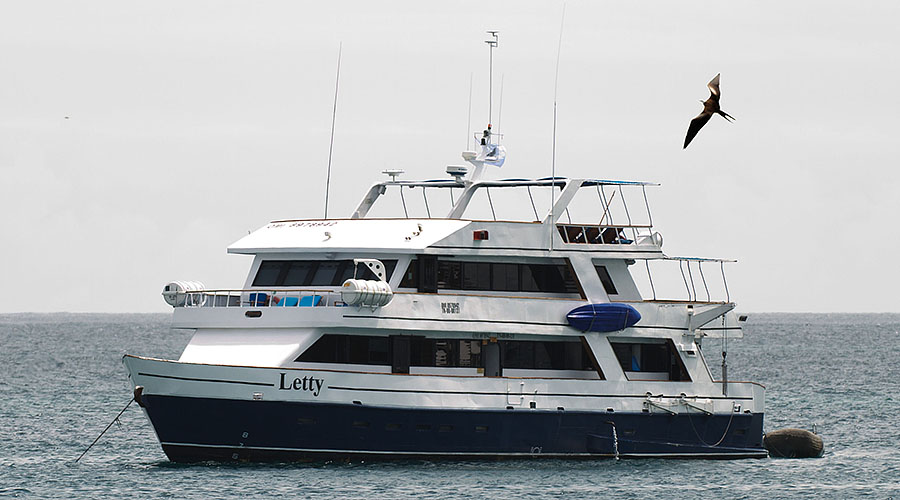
(553, 153)
(469, 117)
(492, 43)
(337, 80)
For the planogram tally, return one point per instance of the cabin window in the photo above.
(410, 277)
(348, 349)
(606, 280)
(449, 275)
(650, 361)
(493, 276)
(314, 272)
(401, 352)
(427, 274)
(451, 353)
(268, 273)
(505, 277)
(544, 355)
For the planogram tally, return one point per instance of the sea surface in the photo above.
(62, 382)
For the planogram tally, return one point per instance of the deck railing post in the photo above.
(650, 277)
(403, 200)
(683, 278)
(627, 214)
(700, 267)
(647, 204)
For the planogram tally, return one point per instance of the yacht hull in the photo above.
(193, 427)
(197, 429)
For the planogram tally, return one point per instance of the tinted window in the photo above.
(314, 272)
(505, 277)
(268, 273)
(449, 275)
(496, 276)
(326, 274)
(349, 349)
(545, 355)
(298, 273)
(366, 350)
(476, 276)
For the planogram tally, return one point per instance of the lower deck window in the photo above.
(655, 361)
(349, 349)
(448, 353)
(544, 355)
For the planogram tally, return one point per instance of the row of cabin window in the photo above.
(441, 274)
(450, 353)
(429, 274)
(313, 272)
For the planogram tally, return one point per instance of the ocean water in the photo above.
(62, 382)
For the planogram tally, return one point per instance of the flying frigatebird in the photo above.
(710, 107)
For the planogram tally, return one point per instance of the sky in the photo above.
(139, 139)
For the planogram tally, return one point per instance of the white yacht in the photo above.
(450, 334)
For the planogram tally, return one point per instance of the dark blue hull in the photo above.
(198, 429)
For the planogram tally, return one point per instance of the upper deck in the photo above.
(609, 225)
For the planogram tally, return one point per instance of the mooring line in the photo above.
(104, 430)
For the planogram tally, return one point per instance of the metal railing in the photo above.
(696, 282)
(600, 234)
(258, 297)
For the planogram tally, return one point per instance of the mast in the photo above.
(492, 43)
(491, 153)
(337, 81)
(553, 149)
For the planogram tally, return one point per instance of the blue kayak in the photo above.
(607, 317)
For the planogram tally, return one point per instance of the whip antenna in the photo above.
(553, 152)
(337, 81)
(492, 43)
(469, 117)
(500, 111)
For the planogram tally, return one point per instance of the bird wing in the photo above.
(714, 86)
(696, 124)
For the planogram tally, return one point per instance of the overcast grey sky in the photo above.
(190, 123)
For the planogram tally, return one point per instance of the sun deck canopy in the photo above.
(388, 235)
(468, 189)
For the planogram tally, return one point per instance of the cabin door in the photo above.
(399, 354)
(490, 352)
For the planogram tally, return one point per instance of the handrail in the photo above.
(258, 297)
(689, 281)
(597, 233)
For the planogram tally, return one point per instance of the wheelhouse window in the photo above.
(650, 361)
(492, 276)
(313, 272)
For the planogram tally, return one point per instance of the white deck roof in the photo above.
(388, 235)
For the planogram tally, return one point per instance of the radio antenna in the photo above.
(500, 111)
(553, 151)
(469, 118)
(337, 81)
(492, 43)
